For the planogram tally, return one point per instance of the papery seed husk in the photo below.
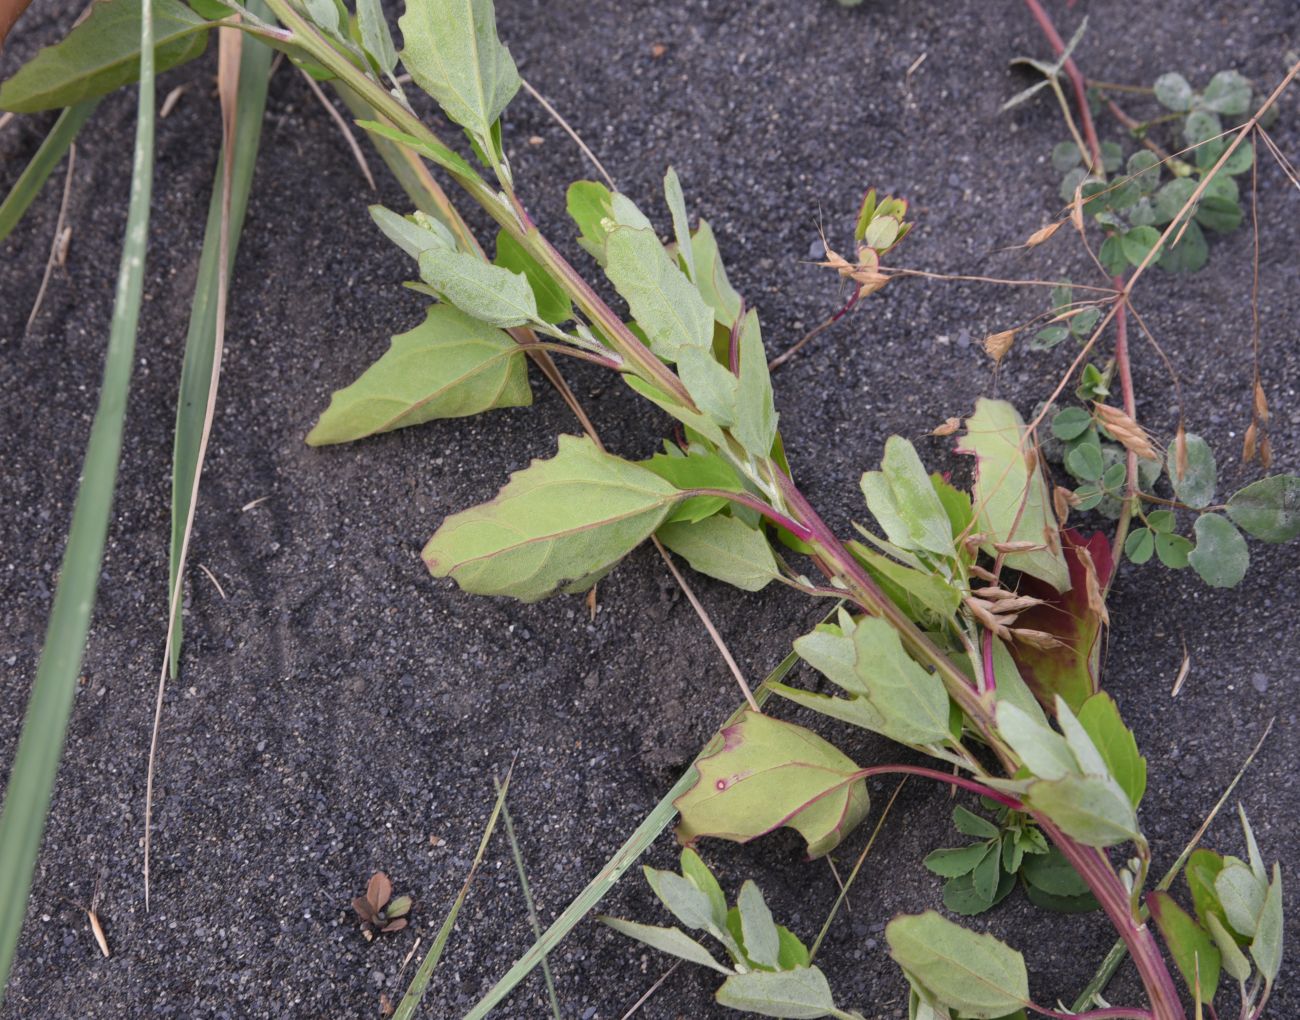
(1180, 453)
(1265, 453)
(996, 345)
(1248, 450)
(1061, 502)
(1043, 234)
(1261, 403)
(949, 426)
(1132, 436)
(1037, 638)
(1096, 598)
(1017, 604)
(980, 572)
(1017, 547)
(993, 593)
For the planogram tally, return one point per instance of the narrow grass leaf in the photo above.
(38, 171)
(31, 778)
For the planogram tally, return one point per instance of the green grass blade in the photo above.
(533, 921)
(40, 747)
(420, 983)
(200, 341)
(637, 844)
(38, 171)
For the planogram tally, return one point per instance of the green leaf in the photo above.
(1171, 198)
(1219, 214)
(681, 221)
(984, 879)
(1061, 904)
(691, 905)
(960, 861)
(975, 974)
(726, 548)
(1140, 545)
(911, 700)
(755, 410)
(553, 304)
(801, 994)
(1233, 960)
(487, 292)
(1084, 322)
(699, 468)
(925, 597)
(793, 952)
(1100, 717)
(1173, 550)
(589, 205)
(1071, 423)
(960, 897)
(102, 54)
(40, 745)
(1143, 168)
(1092, 809)
(761, 942)
(375, 36)
(1196, 485)
(1065, 156)
(1228, 93)
(711, 277)
(1161, 521)
(1220, 556)
(1203, 867)
(1012, 498)
(1138, 242)
(1268, 509)
(1040, 748)
(1112, 255)
(450, 366)
(1191, 947)
(413, 234)
(1201, 126)
(667, 940)
(664, 303)
(37, 172)
(1242, 896)
(970, 824)
(1266, 946)
(559, 524)
(1085, 462)
(1054, 874)
(769, 774)
(694, 869)
(1173, 92)
(1189, 254)
(452, 51)
(904, 502)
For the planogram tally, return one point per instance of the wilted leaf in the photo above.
(449, 366)
(975, 974)
(1070, 670)
(453, 53)
(102, 54)
(560, 524)
(769, 774)
(662, 300)
(1011, 498)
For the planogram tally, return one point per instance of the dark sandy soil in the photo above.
(338, 707)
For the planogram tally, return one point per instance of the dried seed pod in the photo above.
(1261, 404)
(1096, 597)
(1037, 639)
(986, 575)
(988, 620)
(975, 540)
(949, 426)
(1062, 500)
(1017, 605)
(1248, 450)
(1043, 234)
(1076, 209)
(1018, 547)
(996, 345)
(1180, 453)
(1132, 436)
(993, 593)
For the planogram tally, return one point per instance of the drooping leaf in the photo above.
(904, 502)
(664, 303)
(452, 51)
(711, 277)
(769, 774)
(1092, 809)
(553, 304)
(559, 524)
(1100, 717)
(1073, 618)
(1189, 944)
(973, 973)
(801, 994)
(103, 54)
(726, 548)
(1011, 498)
(1268, 509)
(489, 293)
(667, 940)
(450, 366)
(1221, 556)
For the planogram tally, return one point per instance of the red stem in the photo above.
(1006, 800)
(1076, 79)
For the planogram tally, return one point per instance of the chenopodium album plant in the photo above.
(971, 621)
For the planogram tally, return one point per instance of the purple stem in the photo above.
(1116, 1012)
(945, 777)
(733, 349)
(754, 503)
(990, 678)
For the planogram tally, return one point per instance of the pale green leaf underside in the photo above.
(450, 366)
(799, 994)
(726, 548)
(452, 51)
(559, 524)
(662, 300)
(975, 974)
(667, 940)
(487, 292)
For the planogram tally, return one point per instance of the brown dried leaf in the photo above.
(397, 925)
(378, 890)
(1180, 453)
(1265, 453)
(97, 930)
(1018, 547)
(364, 910)
(386, 1007)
